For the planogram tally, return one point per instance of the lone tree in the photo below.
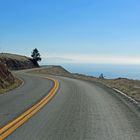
(36, 56)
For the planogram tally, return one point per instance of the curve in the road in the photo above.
(12, 126)
(82, 111)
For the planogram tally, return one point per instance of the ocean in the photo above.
(109, 71)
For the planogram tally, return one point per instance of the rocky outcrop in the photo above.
(17, 62)
(6, 78)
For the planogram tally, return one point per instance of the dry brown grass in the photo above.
(16, 84)
(13, 56)
(54, 70)
(129, 87)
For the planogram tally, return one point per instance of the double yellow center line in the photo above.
(12, 126)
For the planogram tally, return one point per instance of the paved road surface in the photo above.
(17, 101)
(79, 111)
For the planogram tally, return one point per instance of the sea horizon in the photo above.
(109, 71)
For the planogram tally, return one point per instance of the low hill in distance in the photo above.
(53, 70)
(17, 62)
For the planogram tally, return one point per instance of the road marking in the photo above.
(12, 126)
(127, 96)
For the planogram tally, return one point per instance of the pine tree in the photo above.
(36, 55)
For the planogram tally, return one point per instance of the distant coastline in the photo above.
(110, 71)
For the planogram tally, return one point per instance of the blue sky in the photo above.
(72, 31)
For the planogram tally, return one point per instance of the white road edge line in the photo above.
(133, 100)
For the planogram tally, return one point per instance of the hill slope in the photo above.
(6, 78)
(54, 70)
(17, 62)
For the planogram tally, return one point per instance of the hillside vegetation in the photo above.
(7, 80)
(12, 62)
(17, 62)
(53, 70)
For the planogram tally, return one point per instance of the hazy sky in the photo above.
(72, 31)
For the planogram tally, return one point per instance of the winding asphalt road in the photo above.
(80, 111)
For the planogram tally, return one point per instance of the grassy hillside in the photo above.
(53, 70)
(7, 80)
(12, 62)
(17, 62)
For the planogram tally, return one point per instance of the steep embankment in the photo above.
(7, 80)
(12, 62)
(17, 62)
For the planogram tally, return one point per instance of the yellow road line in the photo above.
(12, 126)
